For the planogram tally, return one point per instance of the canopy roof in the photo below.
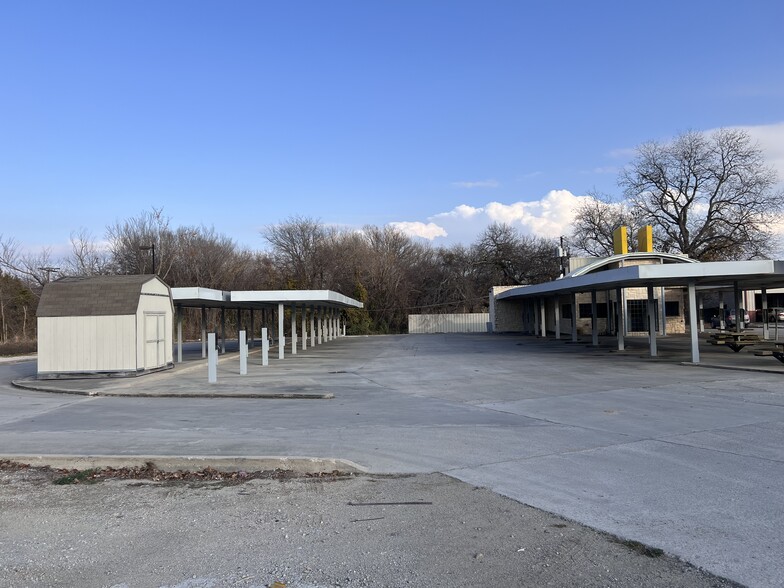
(750, 275)
(210, 298)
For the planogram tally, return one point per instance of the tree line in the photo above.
(711, 197)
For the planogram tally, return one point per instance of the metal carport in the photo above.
(322, 307)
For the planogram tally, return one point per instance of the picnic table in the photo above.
(737, 340)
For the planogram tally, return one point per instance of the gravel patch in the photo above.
(304, 532)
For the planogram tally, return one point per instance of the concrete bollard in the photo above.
(212, 359)
(243, 354)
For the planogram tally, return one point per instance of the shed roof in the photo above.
(95, 296)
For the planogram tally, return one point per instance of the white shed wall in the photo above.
(86, 344)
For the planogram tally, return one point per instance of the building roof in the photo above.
(95, 296)
(618, 260)
(749, 275)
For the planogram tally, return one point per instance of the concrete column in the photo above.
(281, 337)
(264, 346)
(663, 312)
(620, 326)
(543, 316)
(652, 322)
(223, 330)
(765, 327)
(212, 359)
(304, 328)
(574, 317)
(293, 330)
(319, 326)
(594, 320)
(243, 343)
(695, 339)
(203, 332)
(557, 318)
(179, 334)
(312, 326)
(700, 312)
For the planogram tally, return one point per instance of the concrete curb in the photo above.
(28, 384)
(169, 463)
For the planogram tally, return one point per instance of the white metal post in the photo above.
(574, 317)
(223, 330)
(293, 330)
(243, 353)
(212, 359)
(620, 327)
(281, 337)
(312, 326)
(695, 341)
(304, 328)
(179, 334)
(652, 322)
(203, 332)
(765, 328)
(264, 347)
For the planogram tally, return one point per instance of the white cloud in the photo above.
(771, 140)
(427, 231)
(550, 216)
(479, 184)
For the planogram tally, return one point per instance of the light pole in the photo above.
(49, 271)
(149, 248)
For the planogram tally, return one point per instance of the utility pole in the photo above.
(49, 271)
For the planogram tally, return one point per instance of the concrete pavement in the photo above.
(682, 458)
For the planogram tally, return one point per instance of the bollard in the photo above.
(243, 354)
(264, 347)
(212, 359)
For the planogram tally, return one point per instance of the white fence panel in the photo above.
(473, 322)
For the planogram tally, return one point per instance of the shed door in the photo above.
(154, 340)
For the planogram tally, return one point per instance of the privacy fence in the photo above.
(474, 322)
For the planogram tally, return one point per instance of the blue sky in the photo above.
(439, 114)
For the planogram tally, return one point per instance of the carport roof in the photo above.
(750, 275)
(210, 298)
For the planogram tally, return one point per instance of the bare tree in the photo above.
(298, 245)
(128, 238)
(595, 220)
(517, 258)
(87, 257)
(34, 269)
(709, 196)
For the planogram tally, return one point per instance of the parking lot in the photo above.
(685, 458)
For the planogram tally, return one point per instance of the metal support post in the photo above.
(212, 359)
(264, 346)
(281, 337)
(243, 353)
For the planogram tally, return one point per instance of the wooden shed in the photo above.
(105, 325)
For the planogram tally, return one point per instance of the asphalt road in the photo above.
(683, 458)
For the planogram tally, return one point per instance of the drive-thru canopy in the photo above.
(530, 303)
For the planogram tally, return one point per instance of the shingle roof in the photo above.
(97, 296)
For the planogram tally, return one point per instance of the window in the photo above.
(601, 310)
(672, 308)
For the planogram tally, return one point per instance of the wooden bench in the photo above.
(736, 341)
